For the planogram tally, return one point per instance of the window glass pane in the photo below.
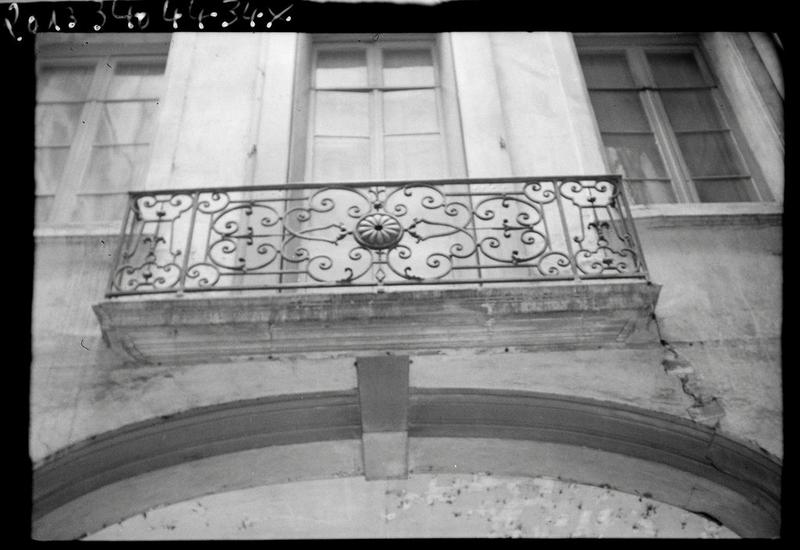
(338, 68)
(619, 112)
(606, 70)
(634, 156)
(722, 190)
(651, 192)
(408, 68)
(692, 110)
(127, 122)
(342, 114)
(410, 111)
(412, 157)
(675, 69)
(56, 124)
(341, 159)
(709, 154)
(137, 80)
(50, 163)
(115, 168)
(64, 83)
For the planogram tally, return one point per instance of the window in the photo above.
(96, 115)
(375, 111)
(662, 124)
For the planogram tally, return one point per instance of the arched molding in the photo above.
(313, 436)
(193, 435)
(693, 466)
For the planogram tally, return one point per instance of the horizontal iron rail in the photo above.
(188, 244)
(454, 282)
(379, 183)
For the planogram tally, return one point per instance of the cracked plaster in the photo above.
(480, 505)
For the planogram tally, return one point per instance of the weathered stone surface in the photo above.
(441, 505)
(278, 464)
(720, 309)
(627, 376)
(385, 455)
(184, 330)
(741, 484)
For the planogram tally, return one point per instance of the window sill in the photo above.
(77, 230)
(654, 215)
(690, 214)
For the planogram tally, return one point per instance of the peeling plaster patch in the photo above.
(710, 412)
(706, 409)
(425, 505)
(604, 516)
(646, 526)
(677, 366)
(711, 530)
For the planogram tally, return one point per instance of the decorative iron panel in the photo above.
(377, 234)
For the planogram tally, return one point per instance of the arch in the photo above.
(310, 436)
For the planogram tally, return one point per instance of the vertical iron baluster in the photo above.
(380, 274)
(378, 205)
(627, 218)
(282, 262)
(188, 251)
(567, 236)
(122, 240)
(132, 223)
(599, 231)
(475, 235)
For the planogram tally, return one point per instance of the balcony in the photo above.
(234, 273)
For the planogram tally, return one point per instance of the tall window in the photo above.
(663, 127)
(95, 120)
(376, 112)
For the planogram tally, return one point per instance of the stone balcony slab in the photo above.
(241, 326)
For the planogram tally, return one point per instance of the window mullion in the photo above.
(80, 151)
(376, 131)
(440, 114)
(668, 143)
(374, 63)
(310, 137)
(657, 116)
(756, 189)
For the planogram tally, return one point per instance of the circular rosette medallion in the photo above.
(378, 230)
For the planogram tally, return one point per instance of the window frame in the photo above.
(105, 52)
(635, 47)
(447, 110)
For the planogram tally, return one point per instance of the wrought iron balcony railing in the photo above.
(377, 234)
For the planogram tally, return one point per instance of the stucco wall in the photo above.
(721, 284)
(719, 312)
(480, 505)
(720, 309)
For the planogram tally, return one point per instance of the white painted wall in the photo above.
(226, 113)
(226, 93)
(762, 135)
(548, 119)
(423, 506)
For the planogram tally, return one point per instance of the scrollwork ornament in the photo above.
(371, 235)
(161, 207)
(589, 194)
